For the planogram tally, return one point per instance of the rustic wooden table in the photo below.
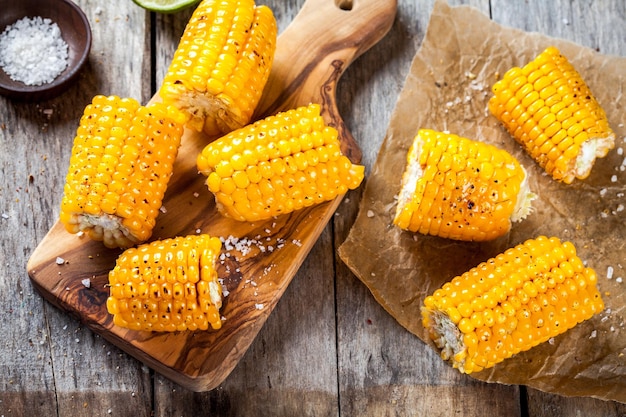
(328, 348)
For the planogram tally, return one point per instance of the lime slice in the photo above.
(166, 6)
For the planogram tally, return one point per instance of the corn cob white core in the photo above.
(594, 147)
(525, 197)
(450, 338)
(109, 227)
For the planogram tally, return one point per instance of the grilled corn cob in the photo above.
(122, 159)
(277, 165)
(550, 111)
(457, 188)
(511, 303)
(221, 64)
(168, 285)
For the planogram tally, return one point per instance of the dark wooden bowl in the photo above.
(75, 30)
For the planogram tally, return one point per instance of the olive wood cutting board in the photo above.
(71, 271)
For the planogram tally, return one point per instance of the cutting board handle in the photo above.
(337, 32)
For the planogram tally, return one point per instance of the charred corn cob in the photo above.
(550, 111)
(122, 160)
(461, 189)
(511, 303)
(221, 64)
(168, 285)
(277, 165)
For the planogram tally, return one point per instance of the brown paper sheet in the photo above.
(447, 89)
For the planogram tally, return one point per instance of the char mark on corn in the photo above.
(462, 189)
(167, 285)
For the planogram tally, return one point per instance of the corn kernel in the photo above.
(573, 110)
(288, 171)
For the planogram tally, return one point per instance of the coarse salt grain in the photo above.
(32, 51)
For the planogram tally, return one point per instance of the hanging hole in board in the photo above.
(344, 4)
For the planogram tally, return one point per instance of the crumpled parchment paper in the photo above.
(448, 87)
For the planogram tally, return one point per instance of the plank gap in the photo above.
(153, 54)
(523, 401)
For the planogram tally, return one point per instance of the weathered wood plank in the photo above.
(295, 350)
(290, 368)
(597, 25)
(385, 370)
(92, 377)
(378, 365)
(49, 363)
(541, 404)
(25, 339)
